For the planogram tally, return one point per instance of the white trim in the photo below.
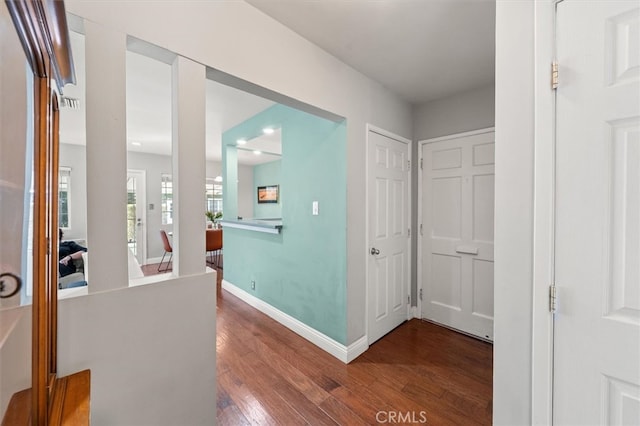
(251, 227)
(357, 348)
(409, 142)
(421, 144)
(414, 309)
(344, 353)
(141, 174)
(458, 135)
(383, 132)
(543, 216)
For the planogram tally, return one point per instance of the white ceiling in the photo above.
(262, 149)
(148, 107)
(420, 49)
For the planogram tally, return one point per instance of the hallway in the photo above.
(419, 373)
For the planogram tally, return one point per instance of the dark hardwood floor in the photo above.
(419, 373)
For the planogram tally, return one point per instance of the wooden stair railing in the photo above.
(69, 403)
(51, 400)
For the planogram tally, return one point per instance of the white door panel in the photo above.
(597, 324)
(457, 241)
(136, 214)
(388, 209)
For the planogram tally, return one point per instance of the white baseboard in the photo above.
(414, 312)
(344, 353)
(357, 348)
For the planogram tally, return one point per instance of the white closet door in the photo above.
(597, 324)
(388, 285)
(457, 241)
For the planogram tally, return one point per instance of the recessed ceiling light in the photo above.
(241, 141)
(268, 131)
(256, 152)
(136, 143)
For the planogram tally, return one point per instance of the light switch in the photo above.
(315, 208)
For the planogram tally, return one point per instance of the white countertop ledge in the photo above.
(269, 226)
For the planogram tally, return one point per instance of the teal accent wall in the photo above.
(303, 270)
(264, 175)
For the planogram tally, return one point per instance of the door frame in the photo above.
(143, 200)
(371, 128)
(524, 111)
(419, 200)
(544, 195)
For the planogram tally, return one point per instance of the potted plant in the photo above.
(212, 218)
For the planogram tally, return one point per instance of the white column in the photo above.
(514, 206)
(188, 149)
(106, 157)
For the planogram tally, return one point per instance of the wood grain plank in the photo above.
(341, 413)
(261, 380)
(250, 405)
(309, 410)
(270, 375)
(19, 409)
(76, 397)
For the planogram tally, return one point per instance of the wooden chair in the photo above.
(214, 246)
(167, 249)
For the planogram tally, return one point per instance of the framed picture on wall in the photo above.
(268, 194)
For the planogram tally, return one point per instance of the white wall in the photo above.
(246, 190)
(289, 65)
(74, 156)
(15, 353)
(151, 350)
(292, 66)
(162, 373)
(13, 149)
(154, 166)
(470, 110)
(524, 207)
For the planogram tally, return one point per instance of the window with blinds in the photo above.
(167, 199)
(64, 191)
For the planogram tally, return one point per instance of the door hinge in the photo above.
(408, 299)
(420, 294)
(409, 164)
(554, 75)
(553, 299)
(409, 232)
(421, 230)
(421, 163)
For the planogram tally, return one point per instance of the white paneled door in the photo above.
(136, 214)
(457, 232)
(388, 251)
(597, 322)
